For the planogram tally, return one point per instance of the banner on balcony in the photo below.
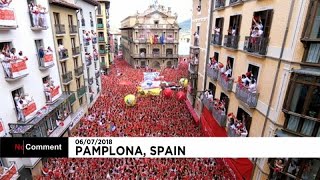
(7, 17)
(48, 59)
(55, 93)
(19, 69)
(8, 174)
(29, 110)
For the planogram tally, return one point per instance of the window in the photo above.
(73, 43)
(198, 30)
(156, 22)
(312, 24)
(18, 103)
(75, 62)
(254, 71)
(56, 17)
(212, 88)
(312, 53)
(216, 56)
(199, 6)
(81, 101)
(234, 25)
(67, 88)
(63, 67)
(295, 168)
(78, 83)
(230, 62)
(302, 105)
(39, 44)
(245, 118)
(95, 65)
(262, 20)
(70, 20)
(225, 98)
(59, 41)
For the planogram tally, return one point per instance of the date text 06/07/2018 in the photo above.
(130, 151)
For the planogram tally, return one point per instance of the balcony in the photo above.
(90, 81)
(142, 40)
(194, 50)
(18, 70)
(63, 55)
(235, 2)
(244, 95)
(225, 82)
(78, 71)
(220, 117)
(86, 41)
(220, 4)
(91, 98)
(37, 23)
(101, 39)
(213, 73)
(9, 173)
(193, 68)
(28, 111)
(51, 94)
(235, 131)
(102, 51)
(76, 51)
(156, 55)
(83, 22)
(46, 62)
(81, 91)
(73, 29)
(100, 26)
(72, 98)
(67, 78)
(94, 40)
(207, 103)
(216, 39)
(171, 40)
(95, 57)
(256, 45)
(60, 29)
(231, 41)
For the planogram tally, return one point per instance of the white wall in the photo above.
(23, 39)
(86, 9)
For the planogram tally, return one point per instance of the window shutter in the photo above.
(268, 23)
(221, 25)
(238, 24)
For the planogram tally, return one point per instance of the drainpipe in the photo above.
(208, 45)
(276, 75)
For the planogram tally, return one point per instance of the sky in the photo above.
(120, 9)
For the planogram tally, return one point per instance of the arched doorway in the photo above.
(156, 65)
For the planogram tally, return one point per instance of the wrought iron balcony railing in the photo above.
(60, 28)
(216, 39)
(225, 82)
(231, 41)
(257, 45)
(244, 95)
(213, 73)
(220, 117)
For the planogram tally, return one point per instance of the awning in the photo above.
(307, 71)
(192, 111)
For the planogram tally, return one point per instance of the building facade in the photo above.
(151, 38)
(34, 103)
(67, 42)
(89, 48)
(260, 77)
(103, 26)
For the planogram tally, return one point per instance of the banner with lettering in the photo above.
(150, 76)
(18, 69)
(48, 59)
(7, 17)
(29, 110)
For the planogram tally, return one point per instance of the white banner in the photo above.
(150, 76)
(118, 147)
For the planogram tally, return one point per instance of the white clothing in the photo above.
(228, 72)
(253, 87)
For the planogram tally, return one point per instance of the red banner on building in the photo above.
(7, 17)
(29, 109)
(18, 66)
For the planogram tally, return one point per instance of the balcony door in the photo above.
(246, 119)
(70, 20)
(56, 17)
(225, 98)
(73, 43)
(234, 25)
(39, 44)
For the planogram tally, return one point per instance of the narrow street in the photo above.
(156, 116)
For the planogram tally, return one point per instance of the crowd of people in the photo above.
(22, 101)
(89, 36)
(248, 81)
(152, 116)
(5, 3)
(38, 15)
(237, 127)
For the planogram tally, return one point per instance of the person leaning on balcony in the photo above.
(217, 34)
(252, 86)
(5, 3)
(41, 56)
(61, 51)
(6, 63)
(35, 12)
(257, 23)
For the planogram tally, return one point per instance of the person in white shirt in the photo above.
(217, 35)
(61, 50)
(253, 86)
(228, 72)
(196, 39)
